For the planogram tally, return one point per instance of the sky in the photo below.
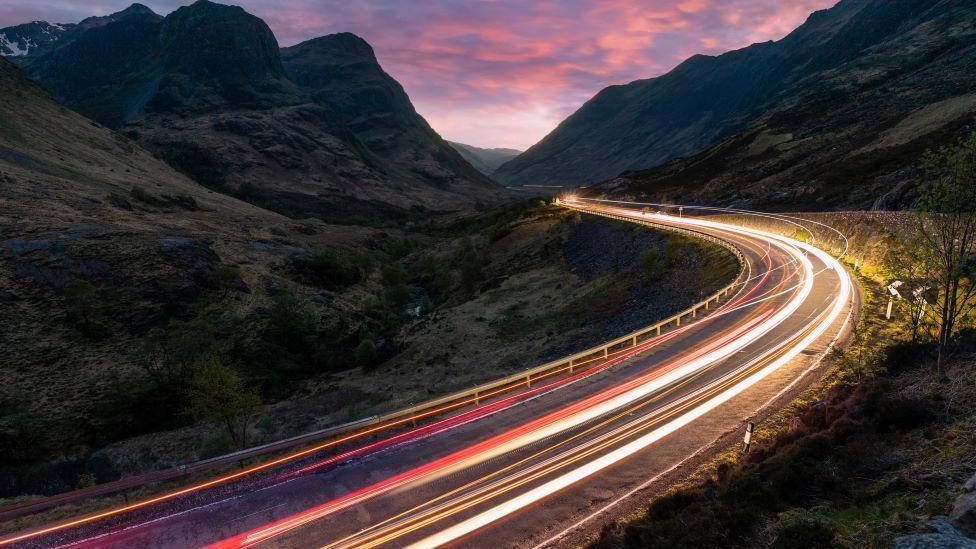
(500, 73)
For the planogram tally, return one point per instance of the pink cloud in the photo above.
(502, 72)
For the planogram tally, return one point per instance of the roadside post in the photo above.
(895, 294)
(747, 439)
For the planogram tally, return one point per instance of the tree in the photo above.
(947, 228)
(293, 323)
(472, 260)
(218, 392)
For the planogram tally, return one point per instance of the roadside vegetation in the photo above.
(880, 447)
(221, 361)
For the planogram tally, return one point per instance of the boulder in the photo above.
(942, 535)
(963, 515)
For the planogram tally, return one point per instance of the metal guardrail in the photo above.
(411, 414)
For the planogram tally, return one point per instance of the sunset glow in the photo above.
(502, 73)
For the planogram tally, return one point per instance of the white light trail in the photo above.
(523, 500)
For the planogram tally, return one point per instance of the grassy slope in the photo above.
(69, 213)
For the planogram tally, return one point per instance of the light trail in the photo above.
(519, 502)
(570, 417)
(520, 478)
(480, 411)
(584, 438)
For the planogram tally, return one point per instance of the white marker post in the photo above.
(895, 294)
(747, 439)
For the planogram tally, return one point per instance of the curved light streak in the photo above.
(528, 498)
(588, 410)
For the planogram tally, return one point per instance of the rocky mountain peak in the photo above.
(29, 39)
(342, 48)
(210, 48)
(134, 9)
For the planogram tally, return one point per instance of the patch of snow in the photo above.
(13, 47)
(58, 26)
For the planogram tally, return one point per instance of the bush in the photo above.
(803, 531)
(399, 248)
(472, 260)
(365, 353)
(225, 278)
(434, 275)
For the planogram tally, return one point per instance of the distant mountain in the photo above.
(707, 99)
(848, 129)
(32, 39)
(485, 160)
(207, 89)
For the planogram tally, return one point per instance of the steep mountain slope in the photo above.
(485, 160)
(206, 90)
(343, 75)
(846, 136)
(82, 204)
(706, 99)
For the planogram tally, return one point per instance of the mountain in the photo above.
(343, 75)
(485, 160)
(707, 99)
(30, 38)
(207, 90)
(848, 134)
(21, 42)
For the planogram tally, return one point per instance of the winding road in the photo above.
(540, 466)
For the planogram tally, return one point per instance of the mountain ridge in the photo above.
(487, 161)
(206, 89)
(651, 121)
(847, 137)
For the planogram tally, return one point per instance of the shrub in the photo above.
(365, 353)
(435, 276)
(803, 531)
(393, 274)
(293, 323)
(224, 278)
(399, 248)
